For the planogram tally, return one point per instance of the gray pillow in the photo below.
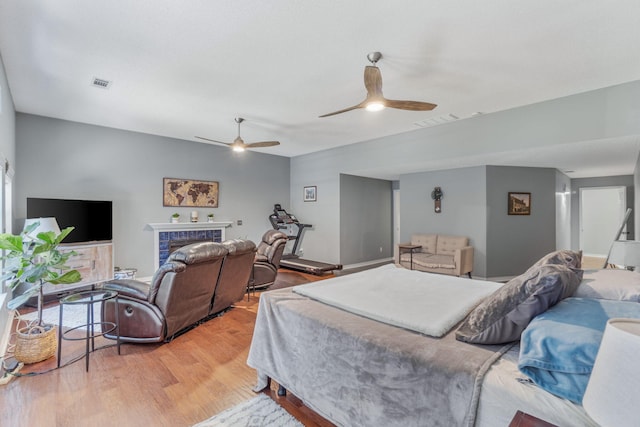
(502, 316)
(572, 259)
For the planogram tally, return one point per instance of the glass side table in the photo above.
(89, 298)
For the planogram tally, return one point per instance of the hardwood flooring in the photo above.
(181, 383)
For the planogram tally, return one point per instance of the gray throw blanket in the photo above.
(358, 372)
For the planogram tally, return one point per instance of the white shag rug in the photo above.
(257, 412)
(72, 316)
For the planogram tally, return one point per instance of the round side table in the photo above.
(88, 298)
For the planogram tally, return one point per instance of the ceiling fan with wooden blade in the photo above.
(238, 144)
(375, 101)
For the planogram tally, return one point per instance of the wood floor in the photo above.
(180, 383)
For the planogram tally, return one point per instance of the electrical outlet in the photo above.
(239, 222)
(380, 249)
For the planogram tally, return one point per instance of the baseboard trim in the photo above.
(367, 263)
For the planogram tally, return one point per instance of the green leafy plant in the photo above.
(33, 261)
(176, 215)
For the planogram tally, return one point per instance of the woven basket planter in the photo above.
(35, 343)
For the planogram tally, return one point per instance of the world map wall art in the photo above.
(190, 193)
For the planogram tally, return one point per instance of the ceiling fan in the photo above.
(375, 101)
(238, 144)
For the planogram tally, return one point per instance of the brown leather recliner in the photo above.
(235, 273)
(179, 296)
(267, 259)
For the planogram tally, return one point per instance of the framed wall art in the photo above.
(519, 203)
(189, 193)
(310, 194)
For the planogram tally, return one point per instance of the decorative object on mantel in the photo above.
(189, 192)
(194, 216)
(519, 203)
(32, 259)
(436, 195)
(310, 193)
(210, 217)
(175, 218)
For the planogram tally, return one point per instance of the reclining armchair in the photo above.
(267, 258)
(179, 295)
(235, 274)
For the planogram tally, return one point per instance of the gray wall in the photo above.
(464, 211)
(61, 159)
(515, 242)
(605, 181)
(366, 214)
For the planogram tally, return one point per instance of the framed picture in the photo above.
(189, 192)
(310, 194)
(519, 204)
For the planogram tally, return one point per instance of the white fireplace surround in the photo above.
(159, 227)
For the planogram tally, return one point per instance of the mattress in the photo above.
(505, 391)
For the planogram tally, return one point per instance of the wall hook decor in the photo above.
(436, 195)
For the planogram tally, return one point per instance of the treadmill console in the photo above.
(280, 218)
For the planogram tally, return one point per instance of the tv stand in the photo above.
(94, 262)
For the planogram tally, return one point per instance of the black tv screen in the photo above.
(92, 219)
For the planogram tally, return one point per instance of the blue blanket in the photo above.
(559, 347)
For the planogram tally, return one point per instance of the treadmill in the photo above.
(287, 223)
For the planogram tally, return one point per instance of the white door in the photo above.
(602, 210)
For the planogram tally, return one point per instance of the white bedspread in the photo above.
(423, 302)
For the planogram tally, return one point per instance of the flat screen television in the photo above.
(92, 219)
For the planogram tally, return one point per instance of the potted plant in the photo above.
(30, 262)
(210, 217)
(175, 217)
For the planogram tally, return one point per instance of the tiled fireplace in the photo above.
(170, 236)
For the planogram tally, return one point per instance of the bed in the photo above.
(355, 367)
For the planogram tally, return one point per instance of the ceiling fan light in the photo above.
(375, 106)
(238, 148)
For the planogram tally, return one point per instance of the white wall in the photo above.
(563, 211)
(7, 149)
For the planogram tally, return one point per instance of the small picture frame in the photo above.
(310, 193)
(519, 203)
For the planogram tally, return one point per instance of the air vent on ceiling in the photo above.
(436, 121)
(101, 83)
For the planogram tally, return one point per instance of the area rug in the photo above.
(257, 412)
(73, 315)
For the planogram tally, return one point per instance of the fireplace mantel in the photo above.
(164, 229)
(180, 226)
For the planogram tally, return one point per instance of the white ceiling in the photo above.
(181, 69)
